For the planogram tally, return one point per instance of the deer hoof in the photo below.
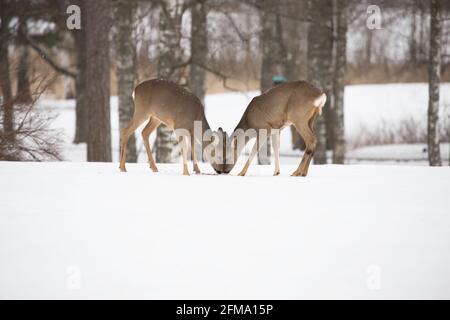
(123, 169)
(241, 174)
(276, 173)
(154, 169)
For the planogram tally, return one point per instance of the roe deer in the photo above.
(292, 103)
(161, 101)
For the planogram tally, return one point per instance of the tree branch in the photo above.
(219, 74)
(48, 59)
(236, 28)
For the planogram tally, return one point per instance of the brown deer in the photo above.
(293, 103)
(161, 101)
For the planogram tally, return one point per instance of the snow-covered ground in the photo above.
(366, 106)
(85, 230)
(415, 154)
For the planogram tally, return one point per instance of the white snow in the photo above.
(85, 230)
(368, 106)
(400, 153)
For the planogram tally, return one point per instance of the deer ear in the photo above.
(220, 130)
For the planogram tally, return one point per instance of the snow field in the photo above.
(85, 230)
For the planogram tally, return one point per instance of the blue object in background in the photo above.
(278, 79)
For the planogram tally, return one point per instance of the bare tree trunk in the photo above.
(340, 64)
(169, 57)
(268, 40)
(23, 81)
(320, 45)
(81, 108)
(295, 39)
(412, 40)
(125, 70)
(434, 74)
(297, 51)
(422, 37)
(368, 48)
(199, 50)
(273, 56)
(5, 80)
(98, 24)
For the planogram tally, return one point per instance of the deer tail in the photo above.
(320, 102)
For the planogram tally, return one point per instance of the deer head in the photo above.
(215, 152)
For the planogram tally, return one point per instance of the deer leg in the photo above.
(250, 158)
(124, 136)
(276, 150)
(194, 156)
(184, 151)
(152, 124)
(307, 133)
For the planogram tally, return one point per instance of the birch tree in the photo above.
(434, 74)
(170, 56)
(125, 70)
(199, 50)
(340, 61)
(320, 45)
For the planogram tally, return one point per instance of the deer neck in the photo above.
(242, 125)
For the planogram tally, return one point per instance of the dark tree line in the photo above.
(298, 39)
